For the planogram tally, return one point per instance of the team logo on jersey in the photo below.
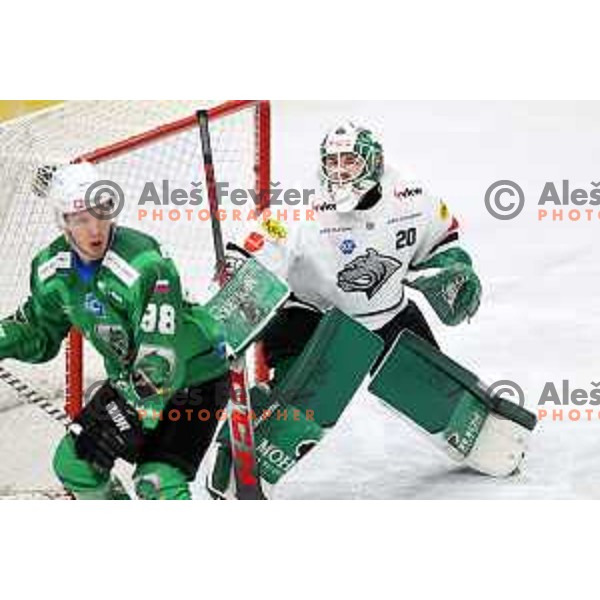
(348, 246)
(367, 273)
(93, 305)
(115, 337)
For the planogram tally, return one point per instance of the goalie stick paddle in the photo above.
(239, 412)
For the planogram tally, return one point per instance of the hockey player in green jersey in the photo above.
(164, 359)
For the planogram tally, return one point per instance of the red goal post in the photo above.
(259, 160)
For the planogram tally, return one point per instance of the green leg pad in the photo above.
(438, 394)
(309, 399)
(331, 368)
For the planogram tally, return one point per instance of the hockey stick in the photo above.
(239, 413)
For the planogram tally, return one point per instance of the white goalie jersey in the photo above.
(357, 261)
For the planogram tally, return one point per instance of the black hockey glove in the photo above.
(106, 429)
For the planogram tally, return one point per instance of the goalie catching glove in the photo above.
(450, 284)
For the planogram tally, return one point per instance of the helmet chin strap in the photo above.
(81, 253)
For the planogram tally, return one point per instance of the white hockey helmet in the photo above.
(351, 164)
(349, 138)
(68, 189)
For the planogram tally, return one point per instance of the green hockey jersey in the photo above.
(130, 307)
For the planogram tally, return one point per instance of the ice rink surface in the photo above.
(539, 320)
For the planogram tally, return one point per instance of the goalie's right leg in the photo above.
(286, 337)
(309, 394)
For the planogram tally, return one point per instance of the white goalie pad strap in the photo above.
(500, 447)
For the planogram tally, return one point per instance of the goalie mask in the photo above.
(351, 164)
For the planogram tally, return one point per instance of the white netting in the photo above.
(62, 134)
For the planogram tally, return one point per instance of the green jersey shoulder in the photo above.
(129, 306)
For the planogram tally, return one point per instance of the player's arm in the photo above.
(35, 332)
(442, 270)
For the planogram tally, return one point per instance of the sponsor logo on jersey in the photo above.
(403, 218)
(367, 273)
(407, 192)
(121, 268)
(254, 242)
(275, 229)
(348, 246)
(93, 305)
(325, 206)
(333, 230)
(61, 261)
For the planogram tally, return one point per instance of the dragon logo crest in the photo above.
(367, 273)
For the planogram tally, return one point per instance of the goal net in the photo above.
(149, 149)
